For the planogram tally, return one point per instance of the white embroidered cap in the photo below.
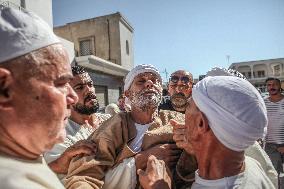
(142, 68)
(22, 32)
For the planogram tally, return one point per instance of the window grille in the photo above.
(85, 47)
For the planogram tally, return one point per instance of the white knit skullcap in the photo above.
(216, 71)
(142, 68)
(234, 108)
(22, 32)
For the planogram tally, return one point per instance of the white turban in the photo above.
(234, 108)
(22, 32)
(142, 68)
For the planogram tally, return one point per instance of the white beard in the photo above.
(145, 102)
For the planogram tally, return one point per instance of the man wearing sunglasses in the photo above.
(179, 89)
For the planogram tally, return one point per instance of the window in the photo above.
(102, 95)
(260, 73)
(249, 75)
(276, 70)
(23, 3)
(127, 47)
(85, 47)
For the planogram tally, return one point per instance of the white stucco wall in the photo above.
(42, 8)
(16, 2)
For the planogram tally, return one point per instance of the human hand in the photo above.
(92, 123)
(155, 176)
(82, 147)
(167, 152)
(179, 134)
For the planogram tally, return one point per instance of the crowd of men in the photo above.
(204, 136)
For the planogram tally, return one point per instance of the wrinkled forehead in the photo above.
(148, 75)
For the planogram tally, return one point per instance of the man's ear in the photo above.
(203, 125)
(6, 79)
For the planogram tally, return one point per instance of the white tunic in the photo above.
(74, 133)
(252, 178)
(25, 174)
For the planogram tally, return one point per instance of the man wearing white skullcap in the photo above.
(35, 99)
(126, 140)
(224, 117)
(254, 151)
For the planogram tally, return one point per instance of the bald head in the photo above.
(180, 85)
(183, 72)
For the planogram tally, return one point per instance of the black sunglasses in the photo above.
(183, 79)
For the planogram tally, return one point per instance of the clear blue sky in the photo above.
(194, 35)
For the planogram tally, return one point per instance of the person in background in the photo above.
(84, 120)
(179, 89)
(123, 103)
(274, 140)
(112, 109)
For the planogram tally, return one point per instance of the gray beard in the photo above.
(146, 102)
(179, 101)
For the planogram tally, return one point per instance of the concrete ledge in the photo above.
(99, 64)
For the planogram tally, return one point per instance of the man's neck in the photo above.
(82, 118)
(143, 116)
(217, 161)
(11, 147)
(276, 98)
(179, 109)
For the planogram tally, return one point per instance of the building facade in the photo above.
(258, 71)
(104, 45)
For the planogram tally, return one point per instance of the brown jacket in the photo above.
(112, 139)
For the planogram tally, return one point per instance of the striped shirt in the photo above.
(275, 114)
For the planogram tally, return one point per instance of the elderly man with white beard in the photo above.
(129, 138)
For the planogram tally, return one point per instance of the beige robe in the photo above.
(24, 174)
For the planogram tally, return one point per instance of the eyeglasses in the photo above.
(183, 79)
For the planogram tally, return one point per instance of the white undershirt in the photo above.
(136, 144)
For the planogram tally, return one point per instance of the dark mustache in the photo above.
(178, 95)
(90, 96)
